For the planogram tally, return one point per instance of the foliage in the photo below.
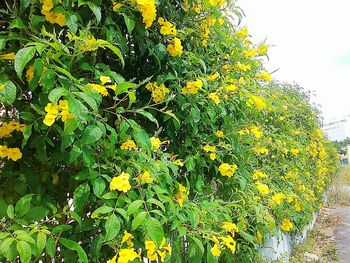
(140, 129)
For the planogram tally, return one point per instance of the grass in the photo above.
(337, 195)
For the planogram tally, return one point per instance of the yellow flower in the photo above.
(259, 174)
(219, 134)
(215, 251)
(116, 6)
(261, 151)
(295, 152)
(278, 198)
(213, 76)
(178, 163)
(120, 183)
(256, 131)
(55, 18)
(49, 119)
(256, 102)
(175, 48)
(208, 148)
(259, 237)
(98, 88)
(286, 225)
(217, 3)
(66, 115)
(192, 87)
(151, 250)
(30, 73)
(63, 105)
(127, 236)
(227, 170)
(89, 44)
(262, 49)
(112, 260)
(14, 154)
(243, 33)
(230, 227)
(197, 8)
(241, 67)
(264, 75)
(148, 11)
(214, 97)
(250, 53)
(8, 56)
(204, 43)
(212, 156)
(127, 255)
(297, 207)
(155, 142)
(129, 145)
(2, 87)
(181, 195)
(262, 188)
(47, 6)
(158, 91)
(145, 178)
(166, 28)
(229, 242)
(230, 88)
(105, 79)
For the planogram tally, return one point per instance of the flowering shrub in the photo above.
(140, 129)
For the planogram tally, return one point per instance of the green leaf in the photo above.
(96, 246)
(101, 210)
(199, 244)
(17, 23)
(23, 205)
(11, 211)
(72, 23)
(129, 22)
(48, 80)
(90, 101)
(156, 202)
(138, 220)
(26, 134)
(155, 230)
(112, 227)
(148, 116)
(24, 235)
(142, 139)
(50, 247)
(5, 244)
(124, 86)
(91, 135)
(75, 216)
(72, 245)
(8, 94)
(24, 251)
(56, 94)
(134, 206)
(61, 228)
(36, 213)
(132, 97)
(41, 241)
(80, 196)
(22, 58)
(96, 10)
(98, 186)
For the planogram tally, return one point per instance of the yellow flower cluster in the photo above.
(213, 77)
(129, 145)
(211, 150)
(166, 28)
(8, 56)
(89, 43)
(253, 129)
(175, 48)
(294, 151)
(158, 91)
(153, 252)
(2, 87)
(214, 97)
(286, 225)
(128, 254)
(230, 227)
(241, 67)
(57, 110)
(52, 17)
(256, 102)
(181, 195)
(250, 53)
(243, 33)
(102, 88)
(120, 183)
(219, 243)
(145, 178)
(259, 174)
(262, 49)
(192, 87)
(277, 199)
(148, 11)
(228, 170)
(264, 76)
(261, 150)
(217, 3)
(11, 153)
(7, 128)
(219, 134)
(262, 188)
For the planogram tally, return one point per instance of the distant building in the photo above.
(338, 130)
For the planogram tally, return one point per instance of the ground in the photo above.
(329, 241)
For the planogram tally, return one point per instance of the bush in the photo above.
(138, 129)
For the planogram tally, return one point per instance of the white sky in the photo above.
(310, 45)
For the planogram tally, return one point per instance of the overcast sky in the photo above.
(310, 45)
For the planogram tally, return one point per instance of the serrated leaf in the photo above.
(134, 206)
(112, 227)
(24, 251)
